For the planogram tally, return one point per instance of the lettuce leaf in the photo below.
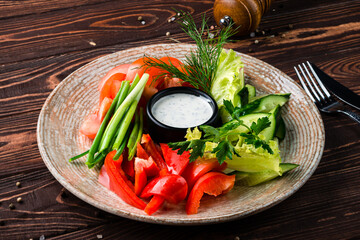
(228, 81)
(256, 159)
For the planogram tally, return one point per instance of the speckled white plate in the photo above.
(76, 96)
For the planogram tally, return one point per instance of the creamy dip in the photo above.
(182, 110)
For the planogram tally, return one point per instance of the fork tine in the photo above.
(319, 81)
(303, 84)
(309, 84)
(313, 82)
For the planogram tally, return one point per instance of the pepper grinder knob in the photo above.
(225, 21)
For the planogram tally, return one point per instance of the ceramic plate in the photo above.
(76, 96)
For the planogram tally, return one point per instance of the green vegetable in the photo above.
(124, 90)
(79, 156)
(134, 95)
(254, 159)
(132, 143)
(252, 179)
(200, 67)
(99, 135)
(228, 81)
(124, 125)
(121, 148)
(252, 91)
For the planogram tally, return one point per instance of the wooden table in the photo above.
(41, 42)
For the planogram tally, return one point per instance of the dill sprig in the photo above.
(201, 64)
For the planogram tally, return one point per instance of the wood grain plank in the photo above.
(18, 8)
(80, 29)
(85, 27)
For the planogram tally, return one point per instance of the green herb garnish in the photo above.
(200, 66)
(220, 135)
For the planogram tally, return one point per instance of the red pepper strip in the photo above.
(117, 164)
(140, 152)
(156, 201)
(155, 204)
(140, 179)
(128, 167)
(199, 167)
(118, 183)
(151, 150)
(143, 169)
(176, 163)
(212, 183)
(171, 187)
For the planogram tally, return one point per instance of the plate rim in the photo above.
(153, 219)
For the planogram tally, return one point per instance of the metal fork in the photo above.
(315, 89)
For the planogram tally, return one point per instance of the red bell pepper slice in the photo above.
(199, 167)
(155, 204)
(176, 163)
(144, 168)
(152, 150)
(140, 152)
(119, 183)
(212, 183)
(128, 167)
(171, 187)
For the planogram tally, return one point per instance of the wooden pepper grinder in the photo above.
(244, 13)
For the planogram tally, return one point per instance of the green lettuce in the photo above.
(228, 81)
(253, 159)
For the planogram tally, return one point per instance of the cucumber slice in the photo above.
(252, 179)
(244, 96)
(280, 129)
(269, 102)
(264, 104)
(248, 119)
(252, 91)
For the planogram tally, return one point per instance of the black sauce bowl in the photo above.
(160, 132)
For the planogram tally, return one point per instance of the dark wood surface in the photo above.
(41, 42)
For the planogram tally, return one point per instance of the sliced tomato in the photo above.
(111, 86)
(212, 183)
(155, 204)
(199, 167)
(119, 183)
(174, 61)
(176, 163)
(104, 177)
(139, 67)
(173, 188)
(104, 108)
(153, 151)
(91, 125)
(118, 69)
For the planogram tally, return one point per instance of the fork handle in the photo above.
(351, 114)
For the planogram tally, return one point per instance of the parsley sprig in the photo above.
(225, 148)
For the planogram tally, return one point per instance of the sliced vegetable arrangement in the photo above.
(146, 174)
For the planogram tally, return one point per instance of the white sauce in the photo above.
(182, 110)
